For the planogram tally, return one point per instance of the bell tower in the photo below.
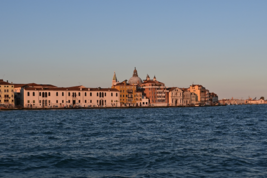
(114, 80)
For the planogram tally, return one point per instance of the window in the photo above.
(90, 93)
(90, 101)
(79, 101)
(48, 93)
(69, 93)
(28, 93)
(105, 94)
(33, 101)
(62, 101)
(96, 94)
(79, 94)
(33, 93)
(116, 94)
(28, 101)
(111, 94)
(85, 94)
(40, 94)
(56, 101)
(85, 101)
(49, 101)
(62, 93)
(69, 101)
(56, 93)
(40, 101)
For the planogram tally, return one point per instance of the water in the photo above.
(226, 141)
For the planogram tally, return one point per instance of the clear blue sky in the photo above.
(219, 44)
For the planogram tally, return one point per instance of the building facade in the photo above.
(6, 93)
(79, 96)
(175, 96)
(155, 91)
(129, 94)
(201, 93)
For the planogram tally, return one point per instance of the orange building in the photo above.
(130, 94)
(201, 93)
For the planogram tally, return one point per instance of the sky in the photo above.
(221, 45)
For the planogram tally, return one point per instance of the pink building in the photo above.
(78, 96)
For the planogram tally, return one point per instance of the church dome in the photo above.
(135, 80)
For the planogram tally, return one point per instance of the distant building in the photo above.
(129, 94)
(155, 91)
(55, 97)
(251, 101)
(18, 86)
(200, 91)
(213, 98)
(189, 98)
(175, 96)
(6, 93)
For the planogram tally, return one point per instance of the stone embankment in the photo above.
(128, 107)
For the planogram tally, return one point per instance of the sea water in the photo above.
(226, 141)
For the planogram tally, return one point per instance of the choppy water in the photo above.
(169, 142)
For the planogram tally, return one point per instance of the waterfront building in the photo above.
(175, 96)
(6, 93)
(255, 101)
(18, 86)
(145, 101)
(213, 98)
(200, 91)
(155, 91)
(78, 96)
(129, 94)
(189, 98)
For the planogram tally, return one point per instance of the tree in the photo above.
(262, 98)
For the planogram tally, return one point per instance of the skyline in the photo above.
(220, 45)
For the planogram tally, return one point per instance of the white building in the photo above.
(145, 101)
(54, 97)
(260, 101)
(175, 96)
